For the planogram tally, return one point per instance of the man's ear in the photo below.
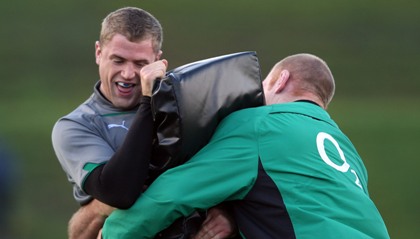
(282, 81)
(159, 55)
(98, 52)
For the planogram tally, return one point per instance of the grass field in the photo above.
(372, 48)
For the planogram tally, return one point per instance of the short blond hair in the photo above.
(135, 24)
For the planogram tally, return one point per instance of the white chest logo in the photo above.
(118, 126)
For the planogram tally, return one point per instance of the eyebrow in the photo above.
(116, 56)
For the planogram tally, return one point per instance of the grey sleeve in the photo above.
(77, 145)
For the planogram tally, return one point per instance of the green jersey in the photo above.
(288, 170)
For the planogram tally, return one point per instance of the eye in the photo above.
(118, 61)
(140, 64)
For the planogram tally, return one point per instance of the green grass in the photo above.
(372, 48)
(43, 199)
(386, 133)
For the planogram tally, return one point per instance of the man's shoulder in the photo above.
(248, 116)
(302, 108)
(250, 113)
(81, 113)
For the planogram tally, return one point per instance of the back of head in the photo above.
(310, 74)
(135, 24)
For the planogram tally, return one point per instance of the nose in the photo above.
(128, 72)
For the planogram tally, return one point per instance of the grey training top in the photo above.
(88, 137)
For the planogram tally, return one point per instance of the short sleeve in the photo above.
(76, 146)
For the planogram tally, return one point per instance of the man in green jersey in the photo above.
(286, 168)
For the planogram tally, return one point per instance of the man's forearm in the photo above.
(88, 220)
(81, 227)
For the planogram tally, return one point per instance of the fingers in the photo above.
(216, 226)
(213, 231)
(154, 70)
(151, 72)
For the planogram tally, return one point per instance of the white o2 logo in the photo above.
(320, 139)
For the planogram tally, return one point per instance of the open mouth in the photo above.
(125, 88)
(125, 85)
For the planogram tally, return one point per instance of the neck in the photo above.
(308, 101)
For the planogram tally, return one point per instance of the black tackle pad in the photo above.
(191, 100)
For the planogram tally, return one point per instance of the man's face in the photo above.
(120, 61)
